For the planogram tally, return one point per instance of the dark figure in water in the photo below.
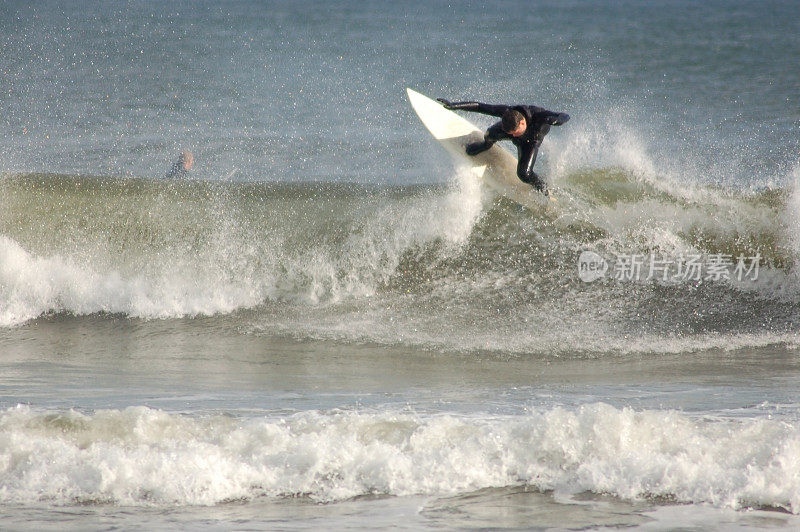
(524, 125)
(182, 166)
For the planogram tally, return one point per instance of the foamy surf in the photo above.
(140, 456)
(32, 286)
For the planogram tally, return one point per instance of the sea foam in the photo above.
(32, 285)
(141, 456)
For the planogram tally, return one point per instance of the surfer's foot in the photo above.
(536, 182)
(541, 187)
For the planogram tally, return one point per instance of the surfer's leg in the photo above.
(527, 158)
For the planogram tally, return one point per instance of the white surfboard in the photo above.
(496, 166)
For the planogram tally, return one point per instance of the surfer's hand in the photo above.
(446, 103)
(474, 148)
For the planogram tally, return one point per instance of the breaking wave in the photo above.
(140, 456)
(447, 267)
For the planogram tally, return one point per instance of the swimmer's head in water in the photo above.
(186, 160)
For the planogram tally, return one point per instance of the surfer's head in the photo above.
(514, 123)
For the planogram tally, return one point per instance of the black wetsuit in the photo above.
(539, 121)
(178, 171)
(182, 166)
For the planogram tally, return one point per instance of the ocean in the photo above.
(327, 324)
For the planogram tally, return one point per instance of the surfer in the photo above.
(524, 125)
(182, 166)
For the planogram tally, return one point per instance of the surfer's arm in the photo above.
(550, 117)
(492, 135)
(476, 107)
(557, 119)
(542, 115)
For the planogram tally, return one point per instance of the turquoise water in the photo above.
(327, 325)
